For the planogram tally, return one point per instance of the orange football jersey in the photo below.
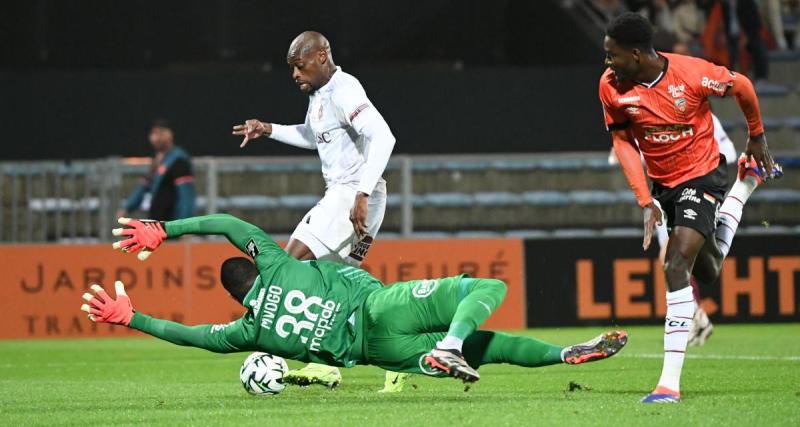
(670, 118)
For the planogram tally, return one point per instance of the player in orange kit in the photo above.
(661, 101)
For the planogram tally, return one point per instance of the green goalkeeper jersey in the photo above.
(309, 311)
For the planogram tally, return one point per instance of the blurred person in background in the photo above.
(744, 17)
(689, 21)
(677, 24)
(790, 15)
(774, 20)
(167, 192)
(789, 23)
(608, 9)
(783, 20)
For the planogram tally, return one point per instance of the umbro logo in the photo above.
(689, 214)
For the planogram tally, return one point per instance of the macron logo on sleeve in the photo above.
(358, 110)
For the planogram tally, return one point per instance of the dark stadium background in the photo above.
(463, 79)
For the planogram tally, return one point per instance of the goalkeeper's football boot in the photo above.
(452, 363)
(701, 329)
(604, 346)
(394, 382)
(314, 373)
(662, 395)
(751, 169)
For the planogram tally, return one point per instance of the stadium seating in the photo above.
(779, 107)
(520, 195)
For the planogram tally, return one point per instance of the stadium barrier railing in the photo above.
(439, 196)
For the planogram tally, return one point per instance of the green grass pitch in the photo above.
(746, 375)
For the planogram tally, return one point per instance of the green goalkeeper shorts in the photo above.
(404, 321)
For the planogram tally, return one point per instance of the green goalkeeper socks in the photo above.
(496, 347)
(479, 298)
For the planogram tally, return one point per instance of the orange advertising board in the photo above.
(606, 281)
(41, 285)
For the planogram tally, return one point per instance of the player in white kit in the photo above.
(354, 143)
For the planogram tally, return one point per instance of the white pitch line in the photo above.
(714, 357)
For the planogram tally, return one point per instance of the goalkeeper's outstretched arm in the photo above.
(147, 235)
(225, 338)
(237, 231)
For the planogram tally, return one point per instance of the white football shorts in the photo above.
(326, 229)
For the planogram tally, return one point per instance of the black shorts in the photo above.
(695, 203)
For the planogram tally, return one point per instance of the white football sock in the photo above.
(680, 311)
(730, 213)
(450, 343)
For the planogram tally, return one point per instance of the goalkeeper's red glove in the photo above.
(145, 234)
(103, 309)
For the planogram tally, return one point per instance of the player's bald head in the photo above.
(311, 61)
(306, 43)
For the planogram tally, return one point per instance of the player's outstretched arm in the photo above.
(239, 232)
(296, 135)
(251, 129)
(144, 235)
(147, 235)
(102, 308)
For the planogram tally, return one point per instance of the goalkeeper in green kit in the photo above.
(329, 313)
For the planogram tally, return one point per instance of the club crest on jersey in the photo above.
(424, 288)
(633, 110)
(676, 91)
(680, 104)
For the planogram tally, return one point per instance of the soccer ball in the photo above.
(262, 374)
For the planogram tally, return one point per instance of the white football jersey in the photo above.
(337, 114)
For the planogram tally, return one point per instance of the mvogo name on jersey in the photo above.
(309, 317)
